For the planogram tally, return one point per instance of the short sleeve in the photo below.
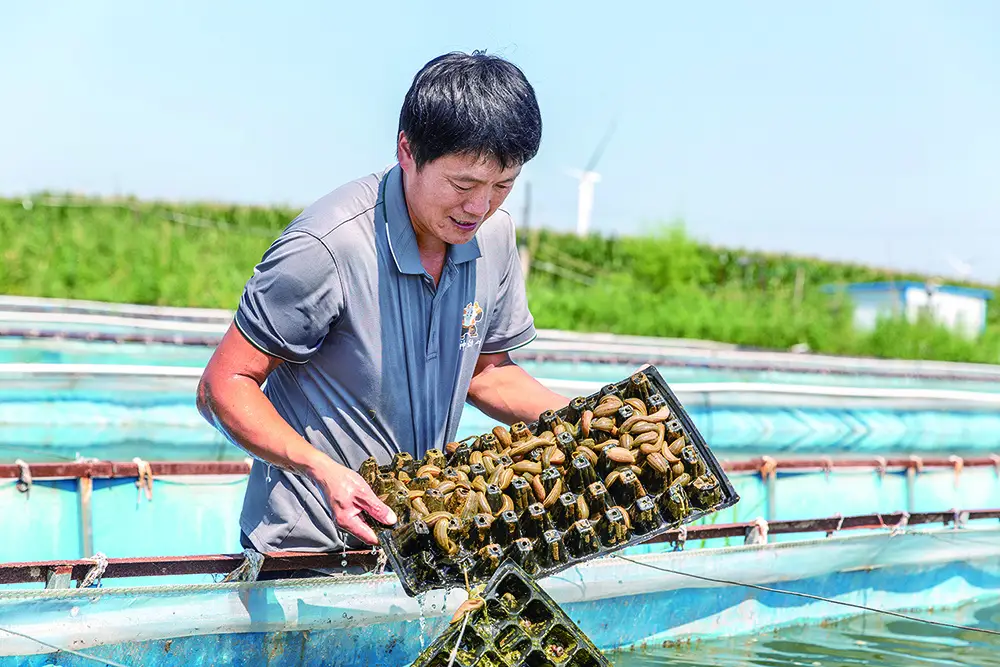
(292, 299)
(511, 323)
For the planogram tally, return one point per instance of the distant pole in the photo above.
(585, 201)
(526, 216)
(524, 251)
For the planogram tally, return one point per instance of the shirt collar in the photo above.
(399, 230)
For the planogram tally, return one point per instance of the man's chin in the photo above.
(458, 236)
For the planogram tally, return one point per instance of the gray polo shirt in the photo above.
(378, 360)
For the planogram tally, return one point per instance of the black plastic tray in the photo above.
(557, 544)
(519, 624)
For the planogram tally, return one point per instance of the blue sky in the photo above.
(848, 130)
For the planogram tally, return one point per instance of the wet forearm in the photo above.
(238, 409)
(508, 394)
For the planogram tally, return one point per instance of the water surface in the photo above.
(872, 639)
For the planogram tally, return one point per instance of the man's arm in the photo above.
(230, 398)
(504, 391)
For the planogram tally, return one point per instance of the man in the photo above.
(380, 310)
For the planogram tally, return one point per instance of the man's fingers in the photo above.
(355, 526)
(375, 508)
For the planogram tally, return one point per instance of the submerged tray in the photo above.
(590, 479)
(519, 624)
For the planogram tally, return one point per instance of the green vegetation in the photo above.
(661, 284)
(666, 284)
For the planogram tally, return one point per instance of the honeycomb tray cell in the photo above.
(608, 471)
(519, 624)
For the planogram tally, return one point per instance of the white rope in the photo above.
(757, 533)
(840, 524)
(881, 466)
(249, 569)
(959, 463)
(809, 596)
(898, 528)
(145, 479)
(381, 560)
(454, 651)
(103, 661)
(93, 577)
(682, 535)
(24, 477)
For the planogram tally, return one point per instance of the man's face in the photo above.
(452, 196)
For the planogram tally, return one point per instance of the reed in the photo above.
(663, 283)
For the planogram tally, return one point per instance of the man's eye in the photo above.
(460, 188)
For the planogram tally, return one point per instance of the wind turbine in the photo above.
(587, 179)
(962, 268)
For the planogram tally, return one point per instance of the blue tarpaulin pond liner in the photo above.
(645, 600)
(123, 522)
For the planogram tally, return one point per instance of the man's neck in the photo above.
(433, 253)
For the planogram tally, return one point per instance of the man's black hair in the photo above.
(474, 104)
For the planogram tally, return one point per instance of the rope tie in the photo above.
(381, 561)
(840, 524)
(918, 462)
(249, 569)
(23, 477)
(145, 480)
(827, 465)
(93, 577)
(996, 463)
(756, 533)
(682, 536)
(960, 518)
(898, 528)
(767, 467)
(959, 463)
(880, 466)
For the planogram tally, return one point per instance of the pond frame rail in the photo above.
(59, 573)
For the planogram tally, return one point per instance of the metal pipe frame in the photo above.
(126, 469)
(286, 561)
(621, 358)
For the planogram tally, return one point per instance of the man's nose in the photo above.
(478, 205)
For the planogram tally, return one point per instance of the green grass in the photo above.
(661, 284)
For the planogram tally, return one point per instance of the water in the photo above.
(872, 639)
(867, 640)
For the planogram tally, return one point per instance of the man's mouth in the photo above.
(465, 226)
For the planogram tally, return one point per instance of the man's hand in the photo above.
(348, 495)
(230, 399)
(504, 391)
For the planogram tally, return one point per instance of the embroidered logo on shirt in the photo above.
(470, 318)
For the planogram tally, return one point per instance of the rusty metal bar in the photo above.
(280, 561)
(112, 469)
(828, 524)
(285, 561)
(875, 463)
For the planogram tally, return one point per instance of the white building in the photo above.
(961, 309)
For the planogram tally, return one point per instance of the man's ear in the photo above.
(404, 153)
